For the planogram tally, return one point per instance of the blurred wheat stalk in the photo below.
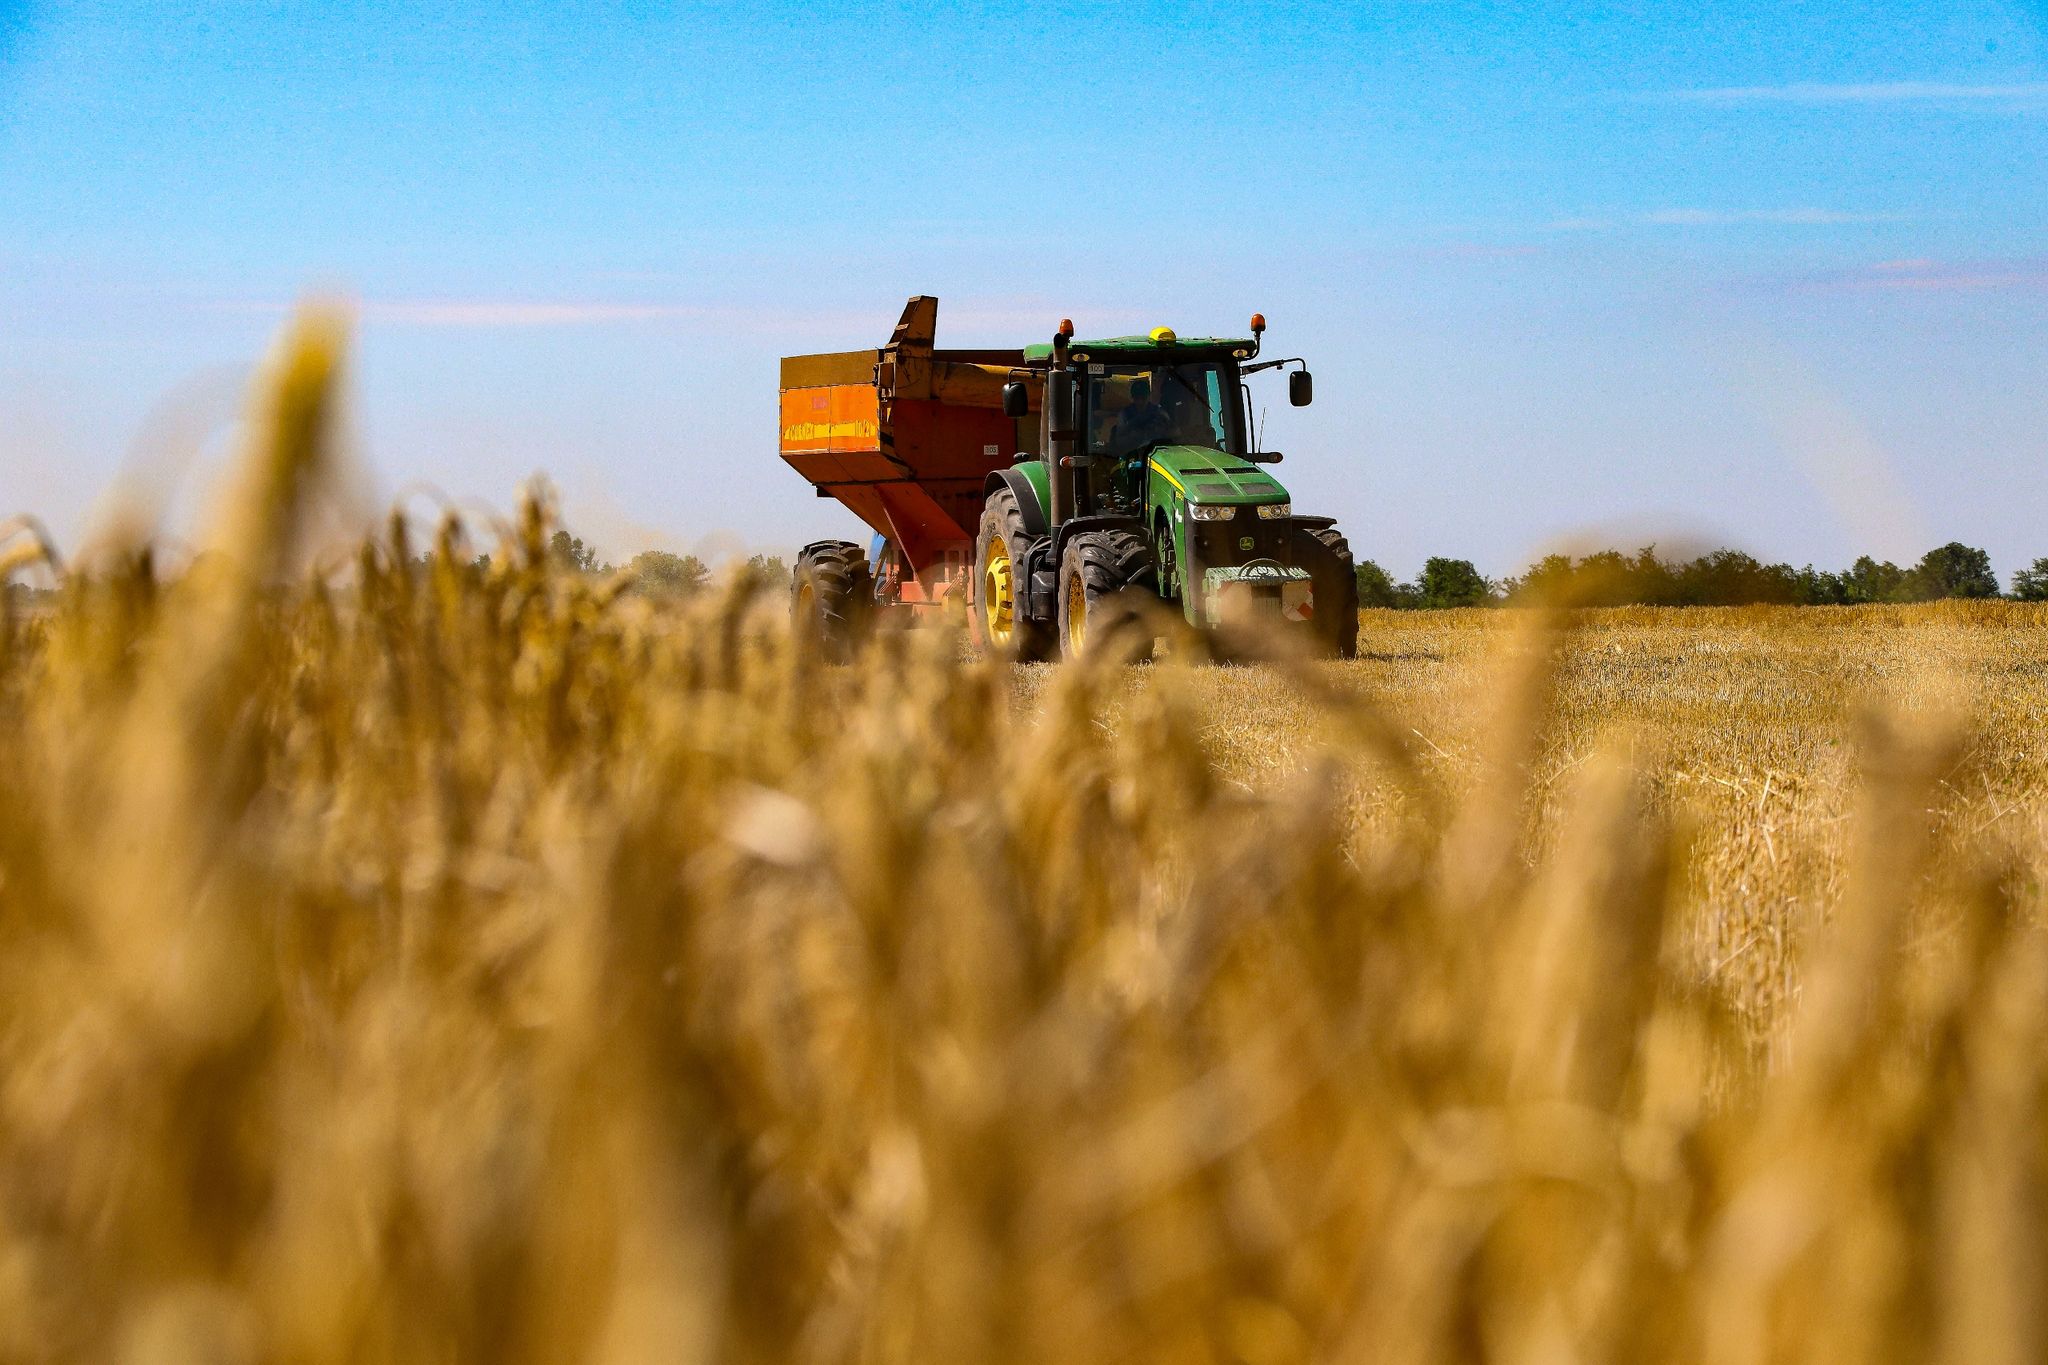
(484, 965)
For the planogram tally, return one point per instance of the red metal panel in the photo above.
(951, 451)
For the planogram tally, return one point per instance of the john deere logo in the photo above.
(1244, 542)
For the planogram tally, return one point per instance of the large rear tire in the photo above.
(1106, 579)
(832, 599)
(998, 620)
(1334, 575)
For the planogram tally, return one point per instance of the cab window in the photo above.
(1129, 407)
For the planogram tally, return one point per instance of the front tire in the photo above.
(831, 599)
(1327, 556)
(1105, 579)
(1000, 625)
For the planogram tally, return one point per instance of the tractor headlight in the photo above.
(1275, 511)
(1211, 511)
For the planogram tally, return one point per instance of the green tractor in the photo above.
(1065, 490)
(1149, 488)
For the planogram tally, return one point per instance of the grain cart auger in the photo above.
(1055, 487)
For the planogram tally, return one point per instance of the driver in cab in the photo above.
(1142, 422)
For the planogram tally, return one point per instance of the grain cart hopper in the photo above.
(906, 436)
(1056, 487)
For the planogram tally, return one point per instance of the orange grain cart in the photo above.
(906, 436)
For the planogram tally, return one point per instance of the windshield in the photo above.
(1132, 406)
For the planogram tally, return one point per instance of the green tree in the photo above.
(657, 572)
(570, 553)
(1730, 578)
(1553, 578)
(2031, 584)
(1819, 588)
(1375, 585)
(1611, 579)
(1607, 578)
(1453, 583)
(1873, 580)
(1655, 581)
(1952, 570)
(768, 568)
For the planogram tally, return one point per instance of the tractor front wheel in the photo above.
(831, 599)
(999, 622)
(1106, 577)
(1334, 576)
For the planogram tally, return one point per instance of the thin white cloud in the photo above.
(485, 312)
(1689, 217)
(997, 315)
(1725, 218)
(1814, 92)
(1481, 251)
(1920, 275)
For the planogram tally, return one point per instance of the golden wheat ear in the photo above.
(289, 452)
(26, 543)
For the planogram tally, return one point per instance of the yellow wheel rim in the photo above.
(806, 597)
(998, 593)
(1077, 614)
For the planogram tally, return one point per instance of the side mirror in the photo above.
(1301, 390)
(1016, 400)
(1264, 457)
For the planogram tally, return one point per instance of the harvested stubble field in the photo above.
(1743, 724)
(433, 964)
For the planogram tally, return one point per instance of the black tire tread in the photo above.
(845, 592)
(1031, 641)
(1116, 570)
(1338, 628)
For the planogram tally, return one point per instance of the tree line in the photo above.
(656, 572)
(1722, 578)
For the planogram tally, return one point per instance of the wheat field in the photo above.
(421, 962)
(1744, 724)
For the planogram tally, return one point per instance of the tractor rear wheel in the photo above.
(831, 599)
(1105, 578)
(999, 623)
(1335, 580)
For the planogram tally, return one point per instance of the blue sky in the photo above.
(1772, 275)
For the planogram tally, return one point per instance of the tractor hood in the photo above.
(1204, 474)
